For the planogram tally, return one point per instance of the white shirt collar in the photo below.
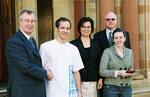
(108, 30)
(26, 35)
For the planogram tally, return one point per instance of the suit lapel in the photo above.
(124, 51)
(27, 43)
(106, 39)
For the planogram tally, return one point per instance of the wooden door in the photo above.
(7, 27)
(45, 20)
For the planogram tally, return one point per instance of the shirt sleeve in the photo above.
(44, 57)
(77, 61)
(104, 71)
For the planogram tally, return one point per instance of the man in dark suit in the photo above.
(26, 75)
(104, 37)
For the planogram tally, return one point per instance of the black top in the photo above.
(91, 58)
(86, 54)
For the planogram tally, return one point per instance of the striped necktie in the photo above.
(110, 38)
(31, 42)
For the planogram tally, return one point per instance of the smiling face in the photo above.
(27, 23)
(86, 29)
(63, 30)
(119, 39)
(110, 20)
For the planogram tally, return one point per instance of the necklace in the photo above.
(86, 44)
(85, 41)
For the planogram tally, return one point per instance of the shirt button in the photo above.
(121, 84)
(126, 84)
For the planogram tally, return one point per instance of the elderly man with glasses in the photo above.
(104, 36)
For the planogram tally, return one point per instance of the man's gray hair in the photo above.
(27, 11)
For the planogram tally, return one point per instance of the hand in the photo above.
(100, 84)
(130, 71)
(49, 74)
(122, 73)
(80, 95)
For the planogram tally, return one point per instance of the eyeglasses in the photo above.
(112, 19)
(28, 21)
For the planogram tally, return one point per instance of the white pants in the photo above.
(89, 89)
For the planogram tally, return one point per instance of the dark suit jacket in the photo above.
(90, 72)
(102, 38)
(26, 75)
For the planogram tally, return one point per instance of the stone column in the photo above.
(79, 11)
(130, 24)
(147, 37)
(104, 7)
(118, 11)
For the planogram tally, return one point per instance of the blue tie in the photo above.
(110, 38)
(31, 42)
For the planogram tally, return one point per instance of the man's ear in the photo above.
(56, 29)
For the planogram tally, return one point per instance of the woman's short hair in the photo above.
(83, 20)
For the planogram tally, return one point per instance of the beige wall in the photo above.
(65, 8)
(91, 11)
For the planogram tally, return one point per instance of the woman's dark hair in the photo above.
(119, 30)
(83, 20)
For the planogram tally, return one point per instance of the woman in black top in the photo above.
(90, 54)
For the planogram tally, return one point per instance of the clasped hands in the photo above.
(49, 74)
(123, 73)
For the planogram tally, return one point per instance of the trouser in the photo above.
(117, 91)
(89, 89)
